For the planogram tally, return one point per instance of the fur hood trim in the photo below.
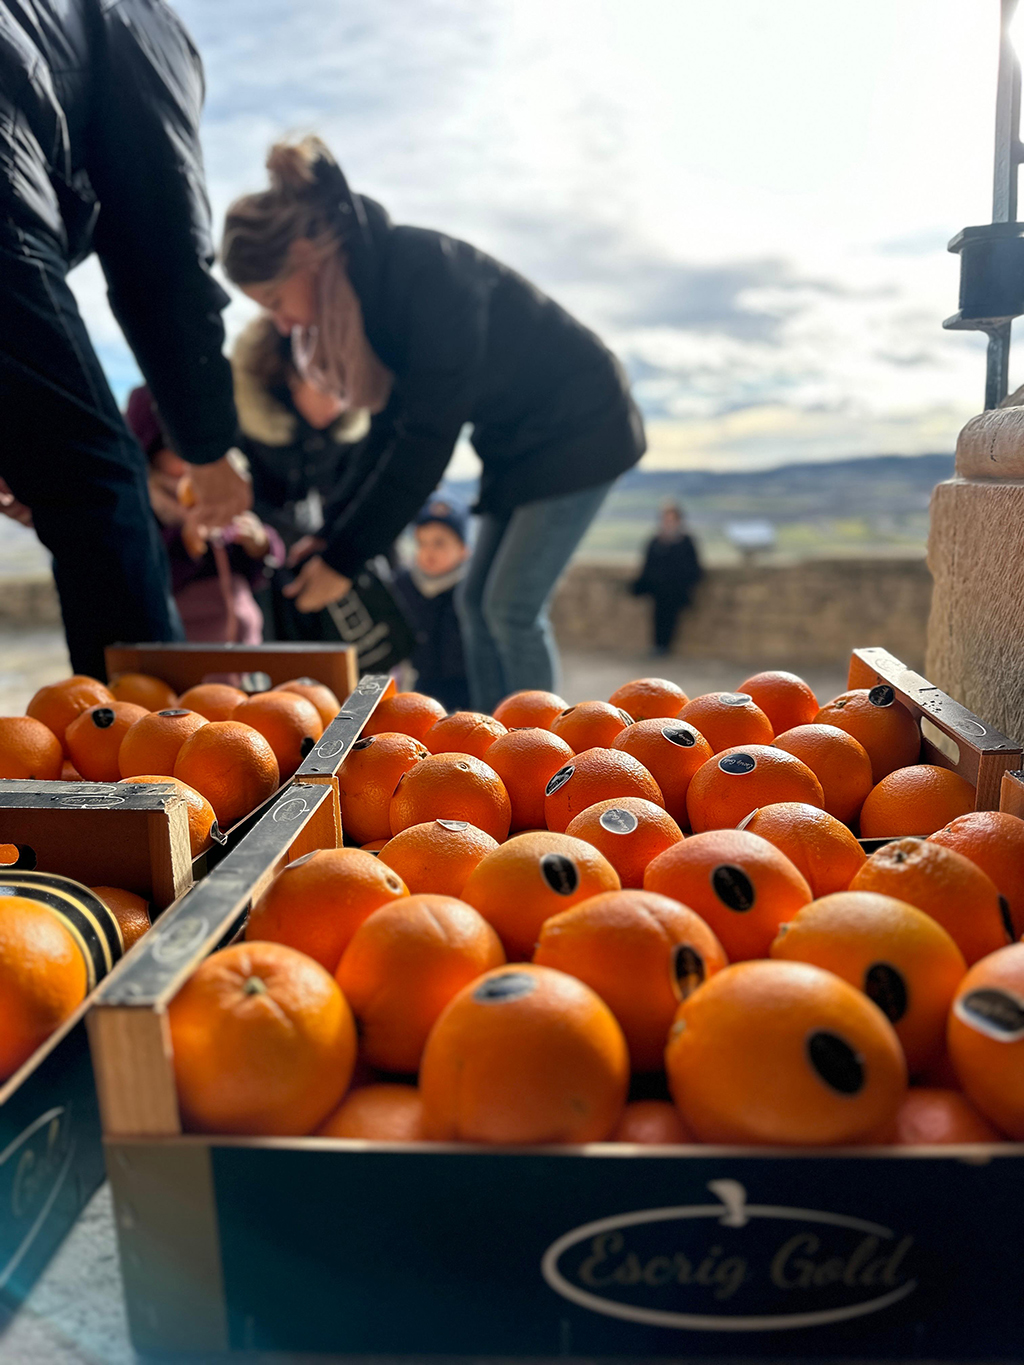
(261, 417)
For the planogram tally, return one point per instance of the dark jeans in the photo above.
(67, 454)
(666, 618)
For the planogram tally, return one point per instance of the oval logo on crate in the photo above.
(33, 1168)
(731, 1266)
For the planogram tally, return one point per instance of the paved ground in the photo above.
(75, 1314)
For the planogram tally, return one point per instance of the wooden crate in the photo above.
(51, 1155)
(184, 665)
(604, 1250)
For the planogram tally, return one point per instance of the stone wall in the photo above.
(771, 615)
(29, 600)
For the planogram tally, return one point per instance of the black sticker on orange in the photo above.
(733, 887)
(560, 873)
(1004, 910)
(363, 743)
(883, 695)
(507, 986)
(560, 779)
(686, 739)
(626, 717)
(737, 764)
(618, 821)
(835, 1061)
(887, 988)
(103, 718)
(734, 698)
(688, 970)
(453, 824)
(178, 711)
(998, 1014)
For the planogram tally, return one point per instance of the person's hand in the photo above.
(251, 534)
(11, 507)
(316, 585)
(303, 548)
(222, 491)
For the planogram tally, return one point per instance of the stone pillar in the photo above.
(976, 555)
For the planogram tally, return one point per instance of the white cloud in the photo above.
(749, 200)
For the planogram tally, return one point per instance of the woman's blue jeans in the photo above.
(503, 600)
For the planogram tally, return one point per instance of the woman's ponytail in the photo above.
(259, 229)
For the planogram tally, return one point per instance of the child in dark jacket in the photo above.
(426, 591)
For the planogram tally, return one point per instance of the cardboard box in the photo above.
(185, 665)
(603, 1250)
(51, 1156)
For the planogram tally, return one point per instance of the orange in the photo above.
(28, 749)
(526, 760)
(739, 884)
(367, 780)
(377, 1113)
(839, 762)
(153, 743)
(202, 823)
(69, 773)
(783, 1053)
(641, 953)
(438, 856)
(232, 765)
(317, 902)
(263, 1042)
(144, 690)
(451, 787)
(736, 781)
(58, 704)
(290, 724)
(529, 710)
(375, 845)
(524, 1055)
(405, 713)
(464, 732)
(671, 751)
(93, 741)
(726, 719)
(915, 800)
(595, 775)
(897, 955)
(590, 725)
(931, 1117)
(651, 1123)
(403, 965)
(42, 978)
(529, 879)
(816, 843)
(649, 698)
(994, 841)
(215, 701)
(986, 1038)
(629, 831)
(944, 885)
(880, 722)
(325, 701)
(130, 911)
(784, 698)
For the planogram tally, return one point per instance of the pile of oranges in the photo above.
(225, 751)
(647, 919)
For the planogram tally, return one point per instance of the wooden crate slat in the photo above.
(184, 665)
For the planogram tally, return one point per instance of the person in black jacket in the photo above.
(670, 574)
(430, 334)
(99, 151)
(426, 591)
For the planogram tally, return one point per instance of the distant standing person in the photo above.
(430, 334)
(671, 571)
(426, 591)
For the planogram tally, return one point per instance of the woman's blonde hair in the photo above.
(259, 229)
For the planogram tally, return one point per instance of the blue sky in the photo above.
(749, 199)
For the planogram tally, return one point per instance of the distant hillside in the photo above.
(872, 505)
